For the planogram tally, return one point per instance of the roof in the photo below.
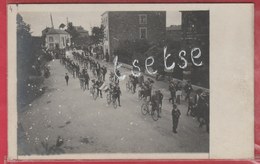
(131, 12)
(46, 29)
(56, 31)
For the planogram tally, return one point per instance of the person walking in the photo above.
(99, 83)
(178, 93)
(135, 82)
(117, 93)
(98, 69)
(188, 89)
(160, 95)
(107, 57)
(86, 77)
(104, 71)
(172, 90)
(81, 82)
(67, 79)
(155, 103)
(175, 118)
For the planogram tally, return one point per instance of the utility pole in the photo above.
(51, 22)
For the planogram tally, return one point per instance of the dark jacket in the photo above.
(176, 114)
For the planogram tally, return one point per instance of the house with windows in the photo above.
(120, 26)
(56, 39)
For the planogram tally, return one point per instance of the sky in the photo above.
(40, 20)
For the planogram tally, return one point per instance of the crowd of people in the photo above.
(197, 100)
(81, 64)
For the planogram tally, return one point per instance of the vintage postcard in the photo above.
(130, 81)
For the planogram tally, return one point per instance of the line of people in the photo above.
(98, 75)
(197, 100)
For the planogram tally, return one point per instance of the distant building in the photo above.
(174, 32)
(195, 28)
(56, 39)
(195, 34)
(120, 26)
(44, 32)
(82, 32)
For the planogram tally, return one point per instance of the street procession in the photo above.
(87, 68)
(131, 82)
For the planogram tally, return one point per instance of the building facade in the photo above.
(120, 26)
(195, 34)
(57, 39)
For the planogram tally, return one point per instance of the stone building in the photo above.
(57, 39)
(195, 34)
(120, 26)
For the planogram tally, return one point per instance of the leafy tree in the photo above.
(62, 26)
(83, 41)
(24, 56)
(97, 35)
(72, 31)
(23, 29)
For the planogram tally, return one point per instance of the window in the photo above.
(50, 39)
(143, 19)
(143, 33)
(105, 34)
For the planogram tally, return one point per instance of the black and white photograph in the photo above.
(114, 81)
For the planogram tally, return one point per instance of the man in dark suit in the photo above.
(172, 90)
(199, 105)
(188, 88)
(175, 118)
(67, 78)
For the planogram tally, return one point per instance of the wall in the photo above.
(195, 27)
(125, 26)
(57, 39)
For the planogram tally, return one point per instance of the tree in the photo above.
(62, 26)
(23, 29)
(72, 31)
(83, 41)
(24, 56)
(97, 35)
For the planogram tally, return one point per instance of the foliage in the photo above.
(97, 35)
(24, 55)
(83, 41)
(23, 29)
(72, 31)
(62, 25)
(28, 63)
